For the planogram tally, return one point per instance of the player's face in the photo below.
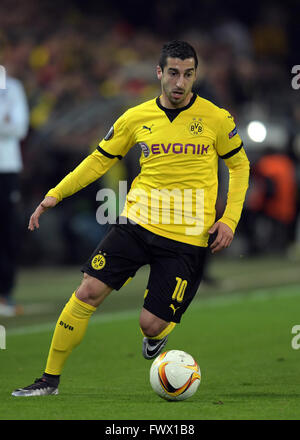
(177, 80)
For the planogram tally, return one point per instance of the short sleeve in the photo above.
(228, 141)
(118, 139)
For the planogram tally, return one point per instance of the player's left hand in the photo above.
(223, 239)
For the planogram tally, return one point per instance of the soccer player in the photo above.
(169, 212)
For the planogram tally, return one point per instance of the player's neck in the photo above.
(164, 101)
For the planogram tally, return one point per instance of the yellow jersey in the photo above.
(175, 193)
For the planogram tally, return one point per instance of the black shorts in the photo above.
(176, 268)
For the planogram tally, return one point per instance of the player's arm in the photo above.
(90, 169)
(238, 166)
(230, 149)
(111, 149)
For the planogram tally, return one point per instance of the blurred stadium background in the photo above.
(82, 64)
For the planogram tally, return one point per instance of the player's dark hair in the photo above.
(177, 49)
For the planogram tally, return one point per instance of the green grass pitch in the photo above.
(242, 342)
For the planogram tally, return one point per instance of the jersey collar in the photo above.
(172, 113)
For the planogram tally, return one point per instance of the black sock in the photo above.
(52, 379)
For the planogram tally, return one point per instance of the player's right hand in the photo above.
(47, 203)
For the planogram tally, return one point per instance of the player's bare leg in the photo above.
(92, 291)
(155, 331)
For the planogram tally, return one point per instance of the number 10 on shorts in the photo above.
(178, 293)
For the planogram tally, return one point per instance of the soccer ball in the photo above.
(175, 375)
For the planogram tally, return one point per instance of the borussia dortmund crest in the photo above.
(196, 126)
(98, 262)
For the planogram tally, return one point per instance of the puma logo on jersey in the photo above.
(174, 308)
(148, 128)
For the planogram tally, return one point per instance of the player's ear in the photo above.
(159, 72)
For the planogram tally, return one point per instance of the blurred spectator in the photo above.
(272, 203)
(13, 128)
(270, 33)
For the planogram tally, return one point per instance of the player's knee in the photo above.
(152, 328)
(151, 325)
(92, 291)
